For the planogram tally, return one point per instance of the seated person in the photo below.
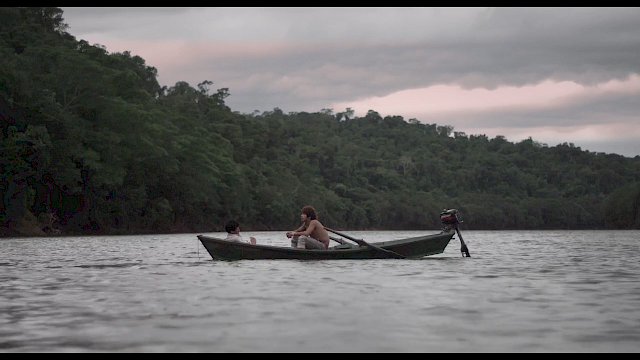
(311, 234)
(233, 233)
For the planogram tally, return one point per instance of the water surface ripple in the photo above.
(521, 291)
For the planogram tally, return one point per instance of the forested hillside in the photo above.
(91, 143)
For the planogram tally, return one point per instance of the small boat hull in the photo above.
(411, 248)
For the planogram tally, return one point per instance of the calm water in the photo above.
(524, 291)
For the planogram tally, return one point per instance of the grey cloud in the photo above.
(377, 70)
(348, 54)
(127, 22)
(514, 47)
(92, 12)
(394, 50)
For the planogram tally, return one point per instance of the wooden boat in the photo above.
(411, 248)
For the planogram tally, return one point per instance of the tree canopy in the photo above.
(91, 143)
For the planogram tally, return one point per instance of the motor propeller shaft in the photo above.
(452, 217)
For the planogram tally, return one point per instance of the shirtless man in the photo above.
(311, 234)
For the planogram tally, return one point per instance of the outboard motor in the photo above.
(452, 218)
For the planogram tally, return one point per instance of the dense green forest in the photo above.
(92, 144)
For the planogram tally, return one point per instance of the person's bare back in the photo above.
(319, 233)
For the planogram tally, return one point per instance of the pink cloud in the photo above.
(443, 99)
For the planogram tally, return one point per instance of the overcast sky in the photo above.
(553, 74)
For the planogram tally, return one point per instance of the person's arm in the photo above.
(308, 231)
(251, 239)
(291, 233)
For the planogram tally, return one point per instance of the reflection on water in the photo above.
(525, 291)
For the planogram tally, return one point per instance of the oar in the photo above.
(338, 240)
(387, 253)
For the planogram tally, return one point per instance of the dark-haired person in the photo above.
(233, 232)
(311, 234)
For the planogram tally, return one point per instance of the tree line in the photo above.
(92, 144)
